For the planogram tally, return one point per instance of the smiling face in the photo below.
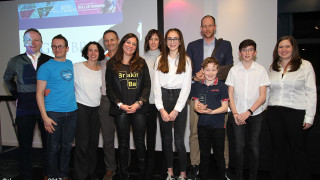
(93, 52)
(208, 27)
(130, 46)
(33, 42)
(248, 54)
(154, 42)
(210, 72)
(285, 50)
(59, 48)
(111, 42)
(173, 41)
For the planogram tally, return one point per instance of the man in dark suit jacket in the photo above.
(20, 78)
(198, 50)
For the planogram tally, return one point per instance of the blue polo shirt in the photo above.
(214, 94)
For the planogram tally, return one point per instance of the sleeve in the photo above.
(9, 78)
(224, 92)
(264, 78)
(228, 57)
(311, 94)
(190, 54)
(146, 84)
(109, 78)
(185, 90)
(43, 73)
(194, 91)
(157, 87)
(230, 77)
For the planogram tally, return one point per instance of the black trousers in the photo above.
(25, 125)
(151, 137)
(211, 137)
(287, 135)
(138, 123)
(86, 140)
(169, 99)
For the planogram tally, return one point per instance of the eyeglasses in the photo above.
(247, 50)
(173, 40)
(55, 47)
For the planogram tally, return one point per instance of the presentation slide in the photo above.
(80, 21)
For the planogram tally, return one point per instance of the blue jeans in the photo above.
(59, 143)
(254, 126)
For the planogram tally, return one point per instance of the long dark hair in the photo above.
(163, 65)
(135, 61)
(149, 35)
(295, 61)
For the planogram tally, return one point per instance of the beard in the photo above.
(208, 35)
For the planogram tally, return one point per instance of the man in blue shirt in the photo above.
(58, 109)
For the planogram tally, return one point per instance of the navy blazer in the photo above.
(195, 52)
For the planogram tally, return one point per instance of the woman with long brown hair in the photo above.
(128, 88)
(172, 84)
(291, 110)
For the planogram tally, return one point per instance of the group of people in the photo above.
(123, 90)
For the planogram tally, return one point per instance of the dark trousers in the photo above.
(287, 135)
(211, 137)
(138, 123)
(86, 140)
(59, 143)
(25, 125)
(169, 99)
(107, 131)
(253, 126)
(151, 137)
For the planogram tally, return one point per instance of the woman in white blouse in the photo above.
(172, 83)
(291, 111)
(87, 80)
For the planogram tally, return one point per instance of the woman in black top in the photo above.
(128, 88)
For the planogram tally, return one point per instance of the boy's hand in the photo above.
(201, 106)
(46, 92)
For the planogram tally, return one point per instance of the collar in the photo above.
(211, 44)
(253, 66)
(215, 82)
(37, 55)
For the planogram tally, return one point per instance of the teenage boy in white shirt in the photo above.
(247, 82)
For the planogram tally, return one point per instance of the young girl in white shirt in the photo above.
(172, 84)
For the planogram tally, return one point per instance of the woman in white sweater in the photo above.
(153, 46)
(87, 80)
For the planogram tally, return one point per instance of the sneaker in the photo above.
(169, 177)
(181, 178)
(108, 175)
(193, 172)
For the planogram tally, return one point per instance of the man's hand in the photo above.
(199, 76)
(48, 124)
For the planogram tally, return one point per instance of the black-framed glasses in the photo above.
(173, 40)
(55, 47)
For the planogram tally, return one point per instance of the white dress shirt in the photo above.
(296, 90)
(247, 83)
(171, 80)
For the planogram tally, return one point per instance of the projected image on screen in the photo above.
(80, 21)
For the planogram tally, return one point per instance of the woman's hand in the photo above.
(134, 107)
(125, 107)
(164, 115)
(173, 115)
(48, 124)
(306, 126)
